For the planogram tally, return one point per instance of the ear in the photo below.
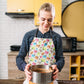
(54, 17)
(38, 17)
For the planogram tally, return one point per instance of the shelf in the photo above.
(74, 61)
(74, 76)
(82, 65)
(74, 65)
(82, 60)
(81, 76)
(20, 15)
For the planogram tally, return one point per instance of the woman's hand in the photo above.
(28, 72)
(55, 73)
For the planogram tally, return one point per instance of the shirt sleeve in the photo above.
(59, 54)
(20, 59)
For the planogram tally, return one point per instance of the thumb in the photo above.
(28, 66)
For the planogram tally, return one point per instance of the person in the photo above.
(43, 45)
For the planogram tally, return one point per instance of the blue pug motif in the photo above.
(44, 56)
(34, 43)
(33, 55)
(45, 44)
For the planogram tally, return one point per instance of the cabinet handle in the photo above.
(55, 22)
(19, 10)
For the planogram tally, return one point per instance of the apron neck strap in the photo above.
(38, 30)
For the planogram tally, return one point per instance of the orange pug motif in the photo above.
(33, 40)
(37, 45)
(53, 54)
(48, 46)
(31, 52)
(42, 53)
(36, 57)
(48, 58)
(44, 41)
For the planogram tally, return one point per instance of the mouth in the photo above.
(46, 26)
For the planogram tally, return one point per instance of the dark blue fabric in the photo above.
(28, 37)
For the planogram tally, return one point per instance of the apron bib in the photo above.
(42, 51)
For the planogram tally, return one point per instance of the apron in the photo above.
(42, 51)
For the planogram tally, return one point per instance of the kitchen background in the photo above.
(12, 31)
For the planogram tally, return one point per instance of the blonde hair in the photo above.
(48, 7)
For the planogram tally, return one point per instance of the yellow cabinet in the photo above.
(24, 6)
(32, 6)
(76, 67)
(56, 3)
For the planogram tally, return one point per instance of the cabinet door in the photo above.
(20, 6)
(56, 3)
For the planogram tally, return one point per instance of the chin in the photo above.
(46, 28)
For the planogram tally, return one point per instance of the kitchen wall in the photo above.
(12, 31)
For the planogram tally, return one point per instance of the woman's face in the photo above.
(45, 19)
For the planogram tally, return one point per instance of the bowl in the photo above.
(41, 74)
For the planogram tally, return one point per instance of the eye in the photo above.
(50, 20)
(43, 19)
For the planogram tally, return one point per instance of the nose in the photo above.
(46, 21)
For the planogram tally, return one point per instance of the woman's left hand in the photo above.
(55, 73)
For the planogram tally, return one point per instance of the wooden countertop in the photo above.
(11, 81)
(20, 81)
(15, 53)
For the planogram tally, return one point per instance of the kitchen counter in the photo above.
(14, 73)
(11, 81)
(64, 53)
(20, 81)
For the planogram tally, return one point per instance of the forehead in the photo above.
(45, 14)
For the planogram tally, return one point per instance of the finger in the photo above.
(54, 77)
(56, 71)
(27, 69)
(28, 72)
(27, 66)
(28, 76)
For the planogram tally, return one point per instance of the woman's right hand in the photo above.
(28, 72)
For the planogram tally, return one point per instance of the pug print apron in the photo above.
(42, 52)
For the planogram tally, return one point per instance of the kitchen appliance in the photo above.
(41, 74)
(15, 47)
(69, 44)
